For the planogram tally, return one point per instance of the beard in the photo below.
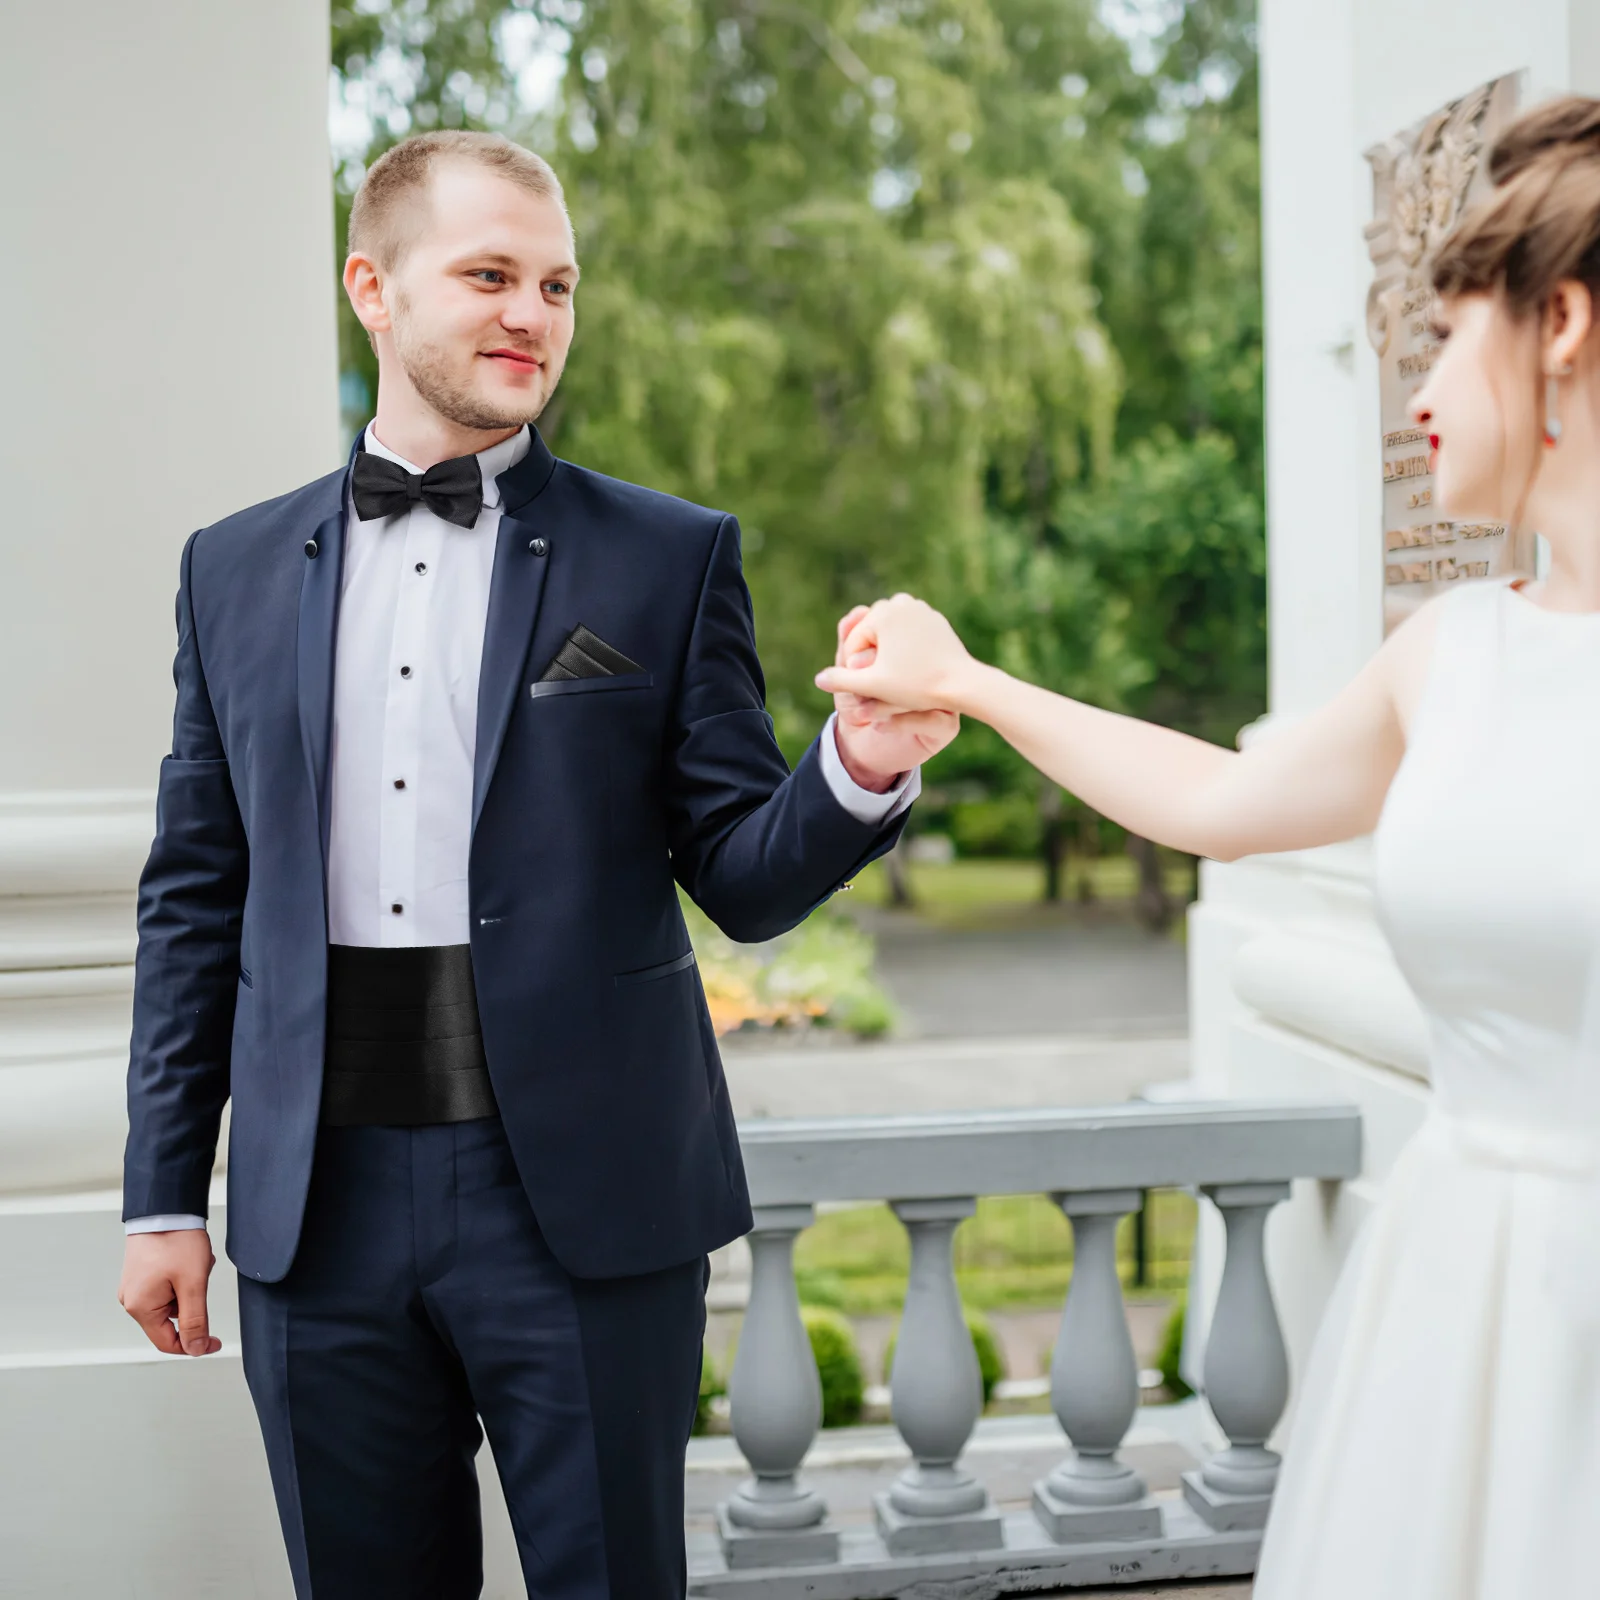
(448, 392)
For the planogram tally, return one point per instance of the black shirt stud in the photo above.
(311, 549)
(540, 547)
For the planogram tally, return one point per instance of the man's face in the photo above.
(481, 304)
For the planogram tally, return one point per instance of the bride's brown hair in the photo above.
(1541, 223)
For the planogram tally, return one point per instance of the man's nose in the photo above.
(527, 313)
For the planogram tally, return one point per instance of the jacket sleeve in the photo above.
(755, 846)
(190, 910)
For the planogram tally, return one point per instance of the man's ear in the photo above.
(363, 283)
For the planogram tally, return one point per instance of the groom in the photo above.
(450, 722)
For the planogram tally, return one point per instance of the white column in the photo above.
(169, 356)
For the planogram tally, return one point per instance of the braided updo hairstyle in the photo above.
(1540, 225)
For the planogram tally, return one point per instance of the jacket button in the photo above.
(540, 547)
(311, 549)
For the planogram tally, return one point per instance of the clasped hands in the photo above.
(895, 678)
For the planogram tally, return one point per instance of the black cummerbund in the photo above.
(404, 1044)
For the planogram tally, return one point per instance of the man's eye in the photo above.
(556, 286)
(488, 272)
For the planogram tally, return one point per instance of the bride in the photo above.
(1448, 1439)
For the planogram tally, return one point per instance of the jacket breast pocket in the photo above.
(548, 688)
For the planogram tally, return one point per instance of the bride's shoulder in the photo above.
(1409, 652)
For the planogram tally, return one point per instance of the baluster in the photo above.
(1246, 1367)
(772, 1519)
(936, 1395)
(1094, 1388)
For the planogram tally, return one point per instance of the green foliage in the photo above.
(711, 1386)
(1173, 537)
(827, 964)
(1007, 825)
(821, 971)
(1017, 1251)
(833, 1347)
(1171, 1353)
(997, 893)
(991, 1364)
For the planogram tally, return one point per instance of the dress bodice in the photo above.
(1488, 864)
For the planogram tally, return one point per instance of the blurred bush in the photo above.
(834, 1348)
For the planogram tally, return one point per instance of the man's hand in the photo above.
(164, 1289)
(877, 742)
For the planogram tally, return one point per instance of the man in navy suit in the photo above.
(450, 724)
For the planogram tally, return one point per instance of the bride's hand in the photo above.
(913, 658)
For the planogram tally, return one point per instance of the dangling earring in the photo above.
(1552, 423)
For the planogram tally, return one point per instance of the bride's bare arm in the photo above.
(1318, 780)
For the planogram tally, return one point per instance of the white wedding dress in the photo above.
(1447, 1443)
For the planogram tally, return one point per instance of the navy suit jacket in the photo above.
(589, 799)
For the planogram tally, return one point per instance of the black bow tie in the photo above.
(452, 489)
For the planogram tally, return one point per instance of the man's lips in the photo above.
(515, 357)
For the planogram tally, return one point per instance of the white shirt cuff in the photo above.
(162, 1224)
(863, 804)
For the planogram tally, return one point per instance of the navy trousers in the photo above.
(423, 1298)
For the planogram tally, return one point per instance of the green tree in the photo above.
(1143, 589)
(806, 298)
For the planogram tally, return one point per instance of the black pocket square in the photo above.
(587, 655)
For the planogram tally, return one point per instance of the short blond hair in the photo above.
(382, 216)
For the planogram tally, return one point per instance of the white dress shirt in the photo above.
(414, 601)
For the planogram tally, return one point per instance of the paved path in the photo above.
(1031, 970)
(837, 1078)
(1040, 1007)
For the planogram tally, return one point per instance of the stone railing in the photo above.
(1092, 1519)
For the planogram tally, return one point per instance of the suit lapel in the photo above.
(516, 587)
(314, 646)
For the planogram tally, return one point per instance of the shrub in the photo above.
(991, 1365)
(1171, 1353)
(1007, 825)
(710, 1387)
(833, 1347)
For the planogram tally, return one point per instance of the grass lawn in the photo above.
(1016, 1252)
(974, 892)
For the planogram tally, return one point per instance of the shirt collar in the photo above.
(492, 462)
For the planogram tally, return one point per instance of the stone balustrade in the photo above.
(1092, 1520)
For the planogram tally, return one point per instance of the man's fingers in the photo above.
(157, 1324)
(194, 1331)
(910, 721)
